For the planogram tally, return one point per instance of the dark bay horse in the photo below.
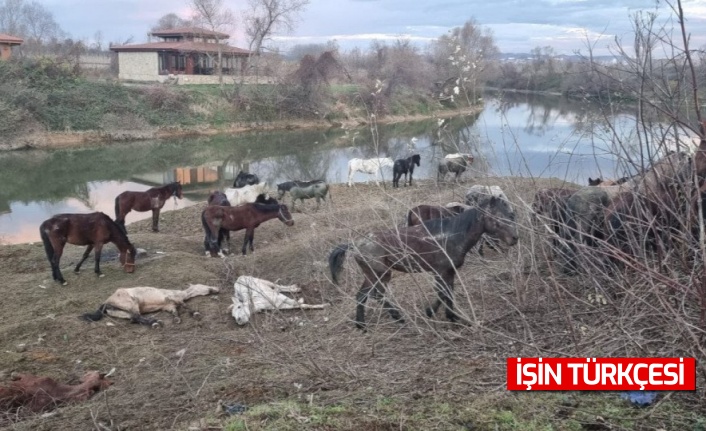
(246, 216)
(151, 199)
(245, 179)
(402, 166)
(438, 246)
(422, 213)
(92, 230)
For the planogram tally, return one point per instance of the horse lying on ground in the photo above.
(131, 303)
(437, 246)
(246, 216)
(245, 179)
(38, 394)
(368, 166)
(455, 163)
(286, 186)
(151, 199)
(253, 295)
(92, 230)
(245, 194)
(316, 190)
(402, 166)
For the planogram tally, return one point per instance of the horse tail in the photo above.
(96, 315)
(335, 261)
(120, 222)
(48, 248)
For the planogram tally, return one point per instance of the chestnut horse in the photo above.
(245, 216)
(151, 199)
(438, 246)
(92, 230)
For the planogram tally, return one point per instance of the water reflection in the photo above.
(514, 135)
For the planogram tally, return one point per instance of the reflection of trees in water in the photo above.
(82, 193)
(303, 166)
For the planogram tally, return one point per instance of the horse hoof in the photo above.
(156, 324)
(101, 275)
(63, 283)
(430, 312)
(196, 315)
(177, 320)
(77, 271)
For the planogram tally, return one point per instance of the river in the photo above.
(517, 135)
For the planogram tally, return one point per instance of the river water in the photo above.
(515, 135)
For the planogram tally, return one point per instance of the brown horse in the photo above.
(245, 216)
(151, 199)
(438, 246)
(422, 213)
(92, 230)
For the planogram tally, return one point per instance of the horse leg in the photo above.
(195, 314)
(224, 234)
(58, 246)
(246, 241)
(379, 294)
(83, 259)
(362, 296)
(97, 256)
(444, 289)
(147, 321)
(155, 219)
(410, 178)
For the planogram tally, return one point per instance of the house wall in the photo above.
(138, 66)
(5, 51)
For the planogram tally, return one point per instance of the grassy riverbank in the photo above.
(46, 105)
(311, 369)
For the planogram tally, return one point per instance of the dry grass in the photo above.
(312, 369)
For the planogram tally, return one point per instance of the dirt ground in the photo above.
(304, 369)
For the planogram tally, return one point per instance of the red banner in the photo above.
(601, 374)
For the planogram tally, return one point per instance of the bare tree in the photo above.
(214, 16)
(268, 17)
(170, 21)
(29, 20)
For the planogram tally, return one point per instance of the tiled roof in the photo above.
(190, 31)
(180, 47)
(6, 38)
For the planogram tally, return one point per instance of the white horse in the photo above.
(256, 295)
(368, 166)
(131, 303)
(246, 194)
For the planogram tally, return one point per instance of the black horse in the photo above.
(402, 166)
(438, 246)
(245, 179)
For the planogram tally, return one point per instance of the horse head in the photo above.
(592, 182)
(285, 216)
(416, 159)
(500, 220)
(240, 310)
(176, 190)
(127, 259)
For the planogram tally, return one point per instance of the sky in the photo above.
(518, 26)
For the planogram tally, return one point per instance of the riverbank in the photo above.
(311, 369)
(48, 140)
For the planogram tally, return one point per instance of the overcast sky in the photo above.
(517, 25)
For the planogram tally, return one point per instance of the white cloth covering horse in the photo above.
(368, 166)
(255, 295)
(246, 194)
(130, 303)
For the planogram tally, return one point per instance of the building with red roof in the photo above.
(6, 43)
(189, 51)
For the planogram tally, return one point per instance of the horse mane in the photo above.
(453, 225)
(117, 227)
(266, 207)
(415, 158)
